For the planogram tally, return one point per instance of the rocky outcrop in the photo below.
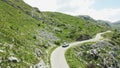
(83, 37)
(47, 35)
(102, 54)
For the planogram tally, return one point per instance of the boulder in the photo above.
(112, 53)
(13, 59)
(95, 53)
(38, 52)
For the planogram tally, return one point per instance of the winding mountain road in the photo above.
(57, 58)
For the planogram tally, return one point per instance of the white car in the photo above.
(65, 45)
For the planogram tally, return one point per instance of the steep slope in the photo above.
(26, 34)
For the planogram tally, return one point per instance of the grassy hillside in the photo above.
(19, 36)
(28, 34)
(73, 27)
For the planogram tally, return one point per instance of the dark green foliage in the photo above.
(38, 25)
(57, 42)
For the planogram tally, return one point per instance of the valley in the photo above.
(29, 36)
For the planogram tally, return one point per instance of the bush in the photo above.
(57, 43)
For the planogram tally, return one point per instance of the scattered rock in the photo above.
(102, 53)
(43, 34)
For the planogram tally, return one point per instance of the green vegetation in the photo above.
(72, 59)
(27, 33)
